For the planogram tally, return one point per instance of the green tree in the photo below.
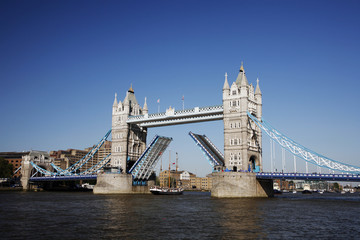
(336, 186)
(6, 169)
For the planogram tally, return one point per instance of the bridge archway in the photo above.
(254, 164)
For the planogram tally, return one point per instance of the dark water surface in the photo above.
(194, 215)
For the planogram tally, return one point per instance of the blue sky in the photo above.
(62, 61)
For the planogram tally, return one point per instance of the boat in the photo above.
(87, 186)
(294, 191)
(307, 189)
(166, 191)
(156, 190)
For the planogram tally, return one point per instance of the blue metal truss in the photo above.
(70, 171)
(144, 166)
(214, 156)
(301, 151)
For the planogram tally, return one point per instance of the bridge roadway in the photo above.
(309, 176)
(63, 178)
(261, 175)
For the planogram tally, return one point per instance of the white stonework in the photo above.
(128, 140)
(242, 141)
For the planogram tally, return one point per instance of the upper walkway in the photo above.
(172, 117)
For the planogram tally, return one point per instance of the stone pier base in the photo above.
(240, 184)
(110, 183)
(118, 183)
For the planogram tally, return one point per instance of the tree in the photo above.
(6, 169)
(336, 186)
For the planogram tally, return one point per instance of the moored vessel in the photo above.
(166, 191)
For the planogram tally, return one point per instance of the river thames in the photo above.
(193, 215)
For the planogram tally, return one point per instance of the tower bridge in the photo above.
(238, 172)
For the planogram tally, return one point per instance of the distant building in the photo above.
(65, 158)
(202, 183)
(174, 176)
(14, 158)
(185, 179)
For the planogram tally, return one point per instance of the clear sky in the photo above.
(61, 63)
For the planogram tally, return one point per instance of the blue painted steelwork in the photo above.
(143, 167)
(303, 152)
(97, 166)
(17, 170)
(212, 154)
(152, 142)
(63, 178)
(309, 176)
(72, 169)
(59, 170)
(41, 170)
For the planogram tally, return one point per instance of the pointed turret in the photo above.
(145, 108)
(131, 89)
(241, 79)
(115, 101)
(257, 90)
(226, 84)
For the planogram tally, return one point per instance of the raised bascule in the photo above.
(236, 173)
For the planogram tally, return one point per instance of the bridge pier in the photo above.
(110, 183)
(240, 184)
(119, 183)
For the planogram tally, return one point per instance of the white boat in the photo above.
(166, 191)
(87, 186)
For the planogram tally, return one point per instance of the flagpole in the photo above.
(158, 101)
(183, 102)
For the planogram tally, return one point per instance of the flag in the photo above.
(158, 101)
(173, 163)
(182, 98)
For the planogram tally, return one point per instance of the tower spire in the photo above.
(242, 67)
(226, 84)
(257, 90)
(145, 108)
(241, 79)
(131, 89)
(115, 100)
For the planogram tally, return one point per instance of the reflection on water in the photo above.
(61, 215)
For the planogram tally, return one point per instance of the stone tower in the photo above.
(128, 140)
(242, 138)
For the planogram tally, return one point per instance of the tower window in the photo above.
(234, 92)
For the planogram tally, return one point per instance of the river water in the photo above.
(193, 215)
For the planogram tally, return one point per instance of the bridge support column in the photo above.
(25, 174)
(240, 184)
(110, 183)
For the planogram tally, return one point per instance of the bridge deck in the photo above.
(63, 178)
(209, 149)
(310, 176)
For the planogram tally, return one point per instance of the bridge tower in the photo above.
(242, 138)
(128, 140)
(242, 142)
